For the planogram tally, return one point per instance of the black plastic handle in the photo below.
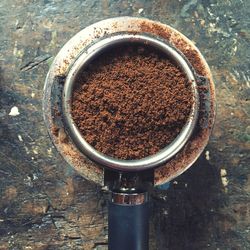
(128, 226)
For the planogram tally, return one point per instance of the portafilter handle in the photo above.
(128, 220)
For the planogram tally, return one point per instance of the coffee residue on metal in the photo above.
(131, 102)
(155, 28)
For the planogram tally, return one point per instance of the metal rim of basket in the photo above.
(129, 165)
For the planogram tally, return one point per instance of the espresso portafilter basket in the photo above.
(127, 180)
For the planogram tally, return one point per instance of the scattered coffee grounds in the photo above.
(131, 101)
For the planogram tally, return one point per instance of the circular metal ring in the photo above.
(129, 165)
(137, 198)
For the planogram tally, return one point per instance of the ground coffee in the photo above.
(131, 101)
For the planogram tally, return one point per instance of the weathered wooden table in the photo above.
(45, 204)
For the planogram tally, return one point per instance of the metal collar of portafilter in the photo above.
(128, 165)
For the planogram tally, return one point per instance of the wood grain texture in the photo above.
(45, 204)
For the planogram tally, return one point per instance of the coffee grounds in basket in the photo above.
(131, 101)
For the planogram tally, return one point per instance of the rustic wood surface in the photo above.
(45, 204)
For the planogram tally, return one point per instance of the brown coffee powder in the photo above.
(131, 101)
